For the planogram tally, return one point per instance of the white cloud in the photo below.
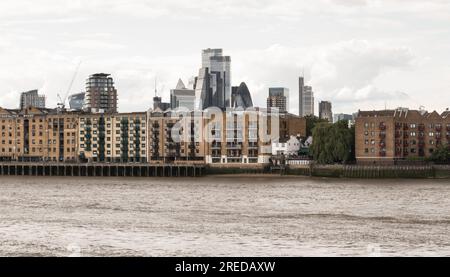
(354, 52)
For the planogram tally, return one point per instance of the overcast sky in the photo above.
(359, 54)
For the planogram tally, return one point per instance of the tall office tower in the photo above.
(325, 111)
(278, 98)
(76, 101)
(306, 98)
(101, 95)
(32, 98)
(181, 97)
(301, 86)
(308, 101)
(240, 97)
(213, 84)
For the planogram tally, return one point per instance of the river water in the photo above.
(223, 216)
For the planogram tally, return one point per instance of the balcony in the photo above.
(448, 128)
(438, 128)
(253, 146)
(382, 135)
(234, 146)
(405, 135)
(405, 144)
(421, 127)
(382, 144)
(216, 146)
(398, 134)
(382, 126)
(382, 153)
(398, 126)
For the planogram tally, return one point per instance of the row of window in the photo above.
(118, 152)
(108, 145)
(130, 139)
(410, 125)
(108, 132)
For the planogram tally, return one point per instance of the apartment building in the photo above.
(231, 137)
(37, 134)
(175, 139)
(391, 135)
(118, 137)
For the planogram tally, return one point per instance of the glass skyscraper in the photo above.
(213, 84)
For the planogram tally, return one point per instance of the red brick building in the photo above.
(390, 135)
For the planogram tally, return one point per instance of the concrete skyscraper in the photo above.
(101, 95)
(213, 84)
(306, 99)
(325, 111)
(278, 98)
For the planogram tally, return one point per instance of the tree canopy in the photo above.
(311, 122)
(333, 143)
(441, 154)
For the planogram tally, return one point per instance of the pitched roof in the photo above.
(180, 84)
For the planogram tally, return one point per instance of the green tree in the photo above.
(311, 122)
(441, 154)
(333, 143)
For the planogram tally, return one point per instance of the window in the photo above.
(413, 126)
(431, 134)
(366, 125)
(366, 133)
(413, 134)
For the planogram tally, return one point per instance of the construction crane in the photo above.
(62, 101)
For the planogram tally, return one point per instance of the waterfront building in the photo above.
(213, 83)
(388, 136)
(278, 98)
(120, 137)
(31, 99)
(101, 95)
(240, 97)
(163, 147)
(289, 147)
(76, 101)
(231, 137)
(182, 97)
(37, 134)
(325, 111)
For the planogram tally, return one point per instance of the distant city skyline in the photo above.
(359, 54)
